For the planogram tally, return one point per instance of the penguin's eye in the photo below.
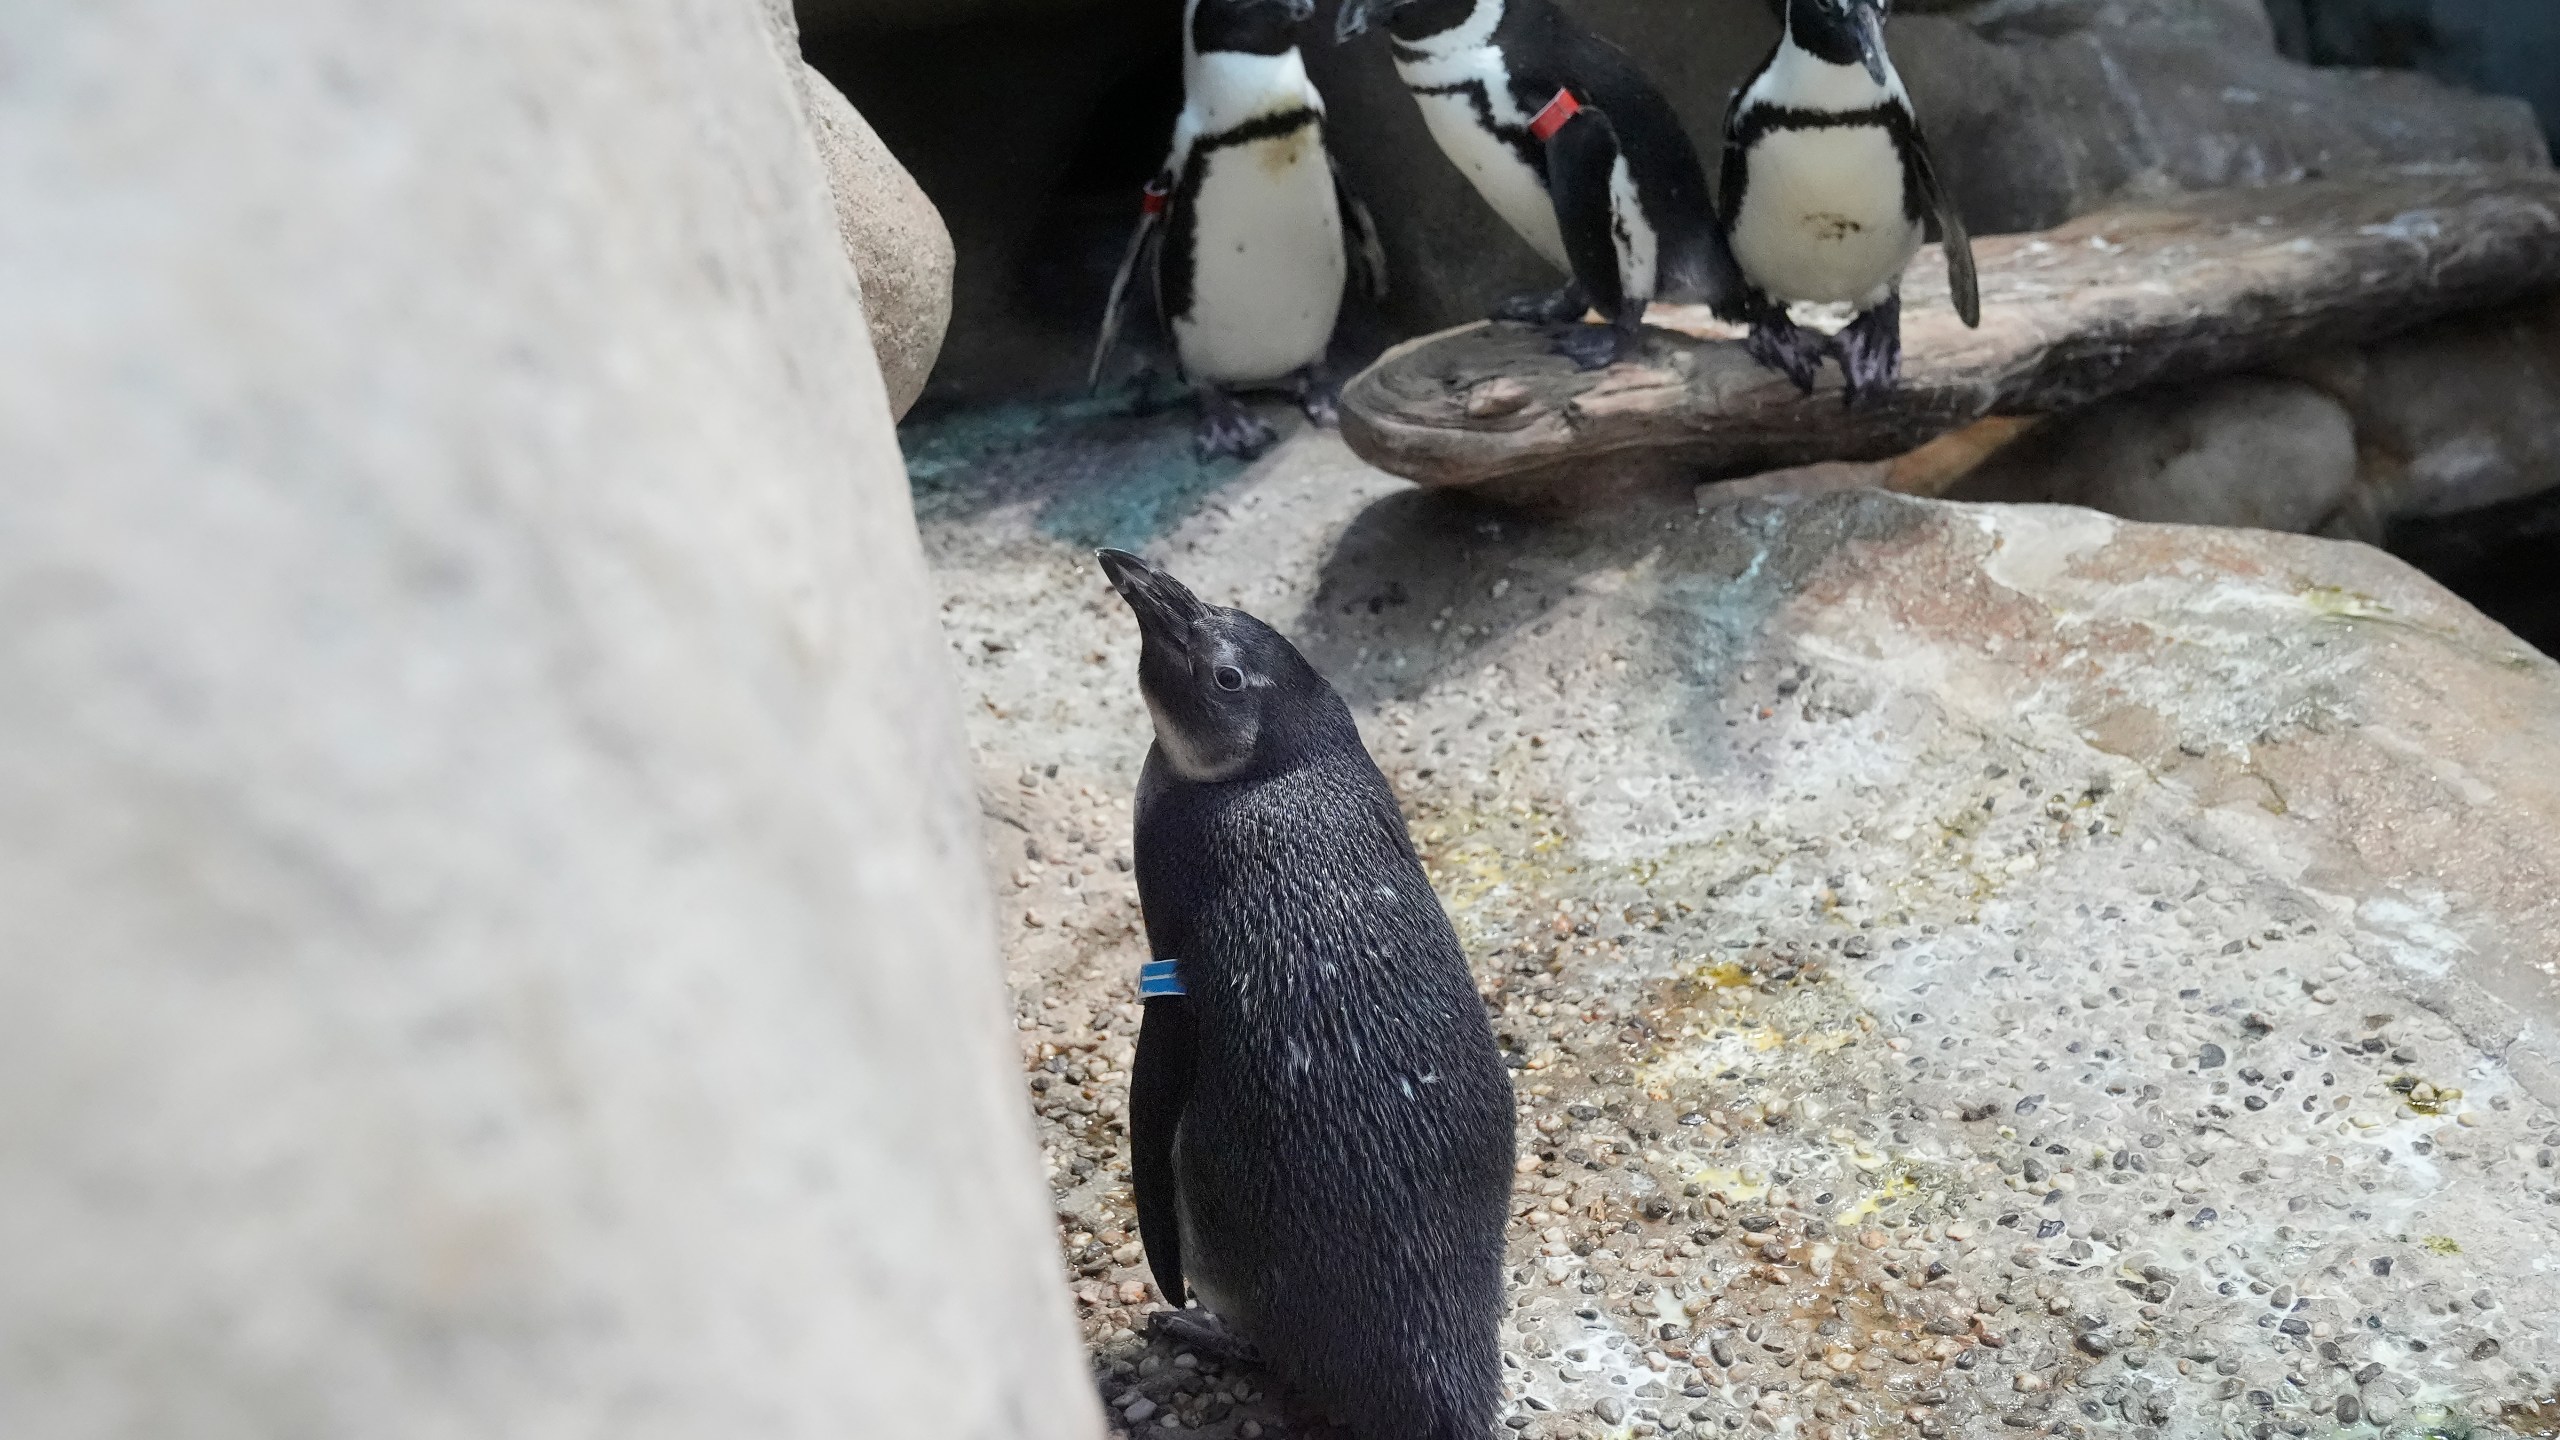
(1229, 677)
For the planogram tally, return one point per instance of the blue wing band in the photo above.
(1157, 978)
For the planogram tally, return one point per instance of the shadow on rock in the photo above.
(1424, 584)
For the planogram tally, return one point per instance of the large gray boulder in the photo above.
(2044, 112)
(2452, 418)
(491, 934)
(901, 252)
(1971, 970)
(2256, 451)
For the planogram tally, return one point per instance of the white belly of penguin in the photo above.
(1267, 262)
(1498, 173)
(1822, 216)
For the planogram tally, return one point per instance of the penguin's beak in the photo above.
(1165, 607)
(1870, 22)
(1353, 19)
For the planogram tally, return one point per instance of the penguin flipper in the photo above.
(1734, 173)
(1359, 233)
(1582, 162)
(1115, 311)
(1159, 1089)
(1963, 285)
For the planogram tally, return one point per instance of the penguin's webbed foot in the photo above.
(1200, 1332)
(1596, 347)
(1545, 307)
(1788, 348)
(1228, 429)
(1319, 397)
(1870, 349)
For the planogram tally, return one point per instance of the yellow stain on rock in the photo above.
(1736, 1186)
(1896, 1186)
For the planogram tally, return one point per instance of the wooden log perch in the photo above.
(2177, 289)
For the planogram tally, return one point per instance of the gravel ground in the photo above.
(1891, 1059)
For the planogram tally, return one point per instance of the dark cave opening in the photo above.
(1032, 136)
(2504, 559)
(1065, 277)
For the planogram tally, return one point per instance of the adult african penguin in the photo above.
(1575, 149)
(1244, 229)
(1320, 1124)
(1828, 186)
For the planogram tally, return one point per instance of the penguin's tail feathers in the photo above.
(1699, 269)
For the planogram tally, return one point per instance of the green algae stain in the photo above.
(942, 451)
(1102, 470)
(1149, 499)
(2442, 1244)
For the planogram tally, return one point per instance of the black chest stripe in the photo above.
(1177, 260)
(1532, 152)
(1761, 121)
(1257, 129)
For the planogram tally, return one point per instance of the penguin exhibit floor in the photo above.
(1966, 970)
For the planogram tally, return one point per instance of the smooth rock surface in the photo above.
(2511, 47)
(901, 253)
(2181, 288)
(2044, 112)
(2254, 451)
(2457, 416)
(1968, 967)
(491, 934)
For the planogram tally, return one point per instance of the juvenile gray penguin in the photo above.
(1320, 1124)
(1828, 188)
(1248, 231)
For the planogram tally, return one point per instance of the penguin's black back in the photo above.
(1345, 1131)
(1546, 51)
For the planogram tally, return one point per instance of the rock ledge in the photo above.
(2188, 286)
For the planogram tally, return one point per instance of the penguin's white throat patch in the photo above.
(1203, 751)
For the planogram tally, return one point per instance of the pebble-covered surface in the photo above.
(1898, 1048)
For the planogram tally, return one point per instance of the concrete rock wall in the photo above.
(491, 938)
(2511, 47)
